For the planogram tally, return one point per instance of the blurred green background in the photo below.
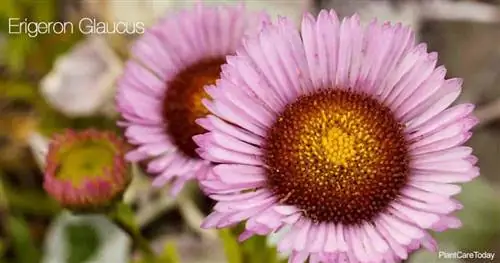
(57, 81)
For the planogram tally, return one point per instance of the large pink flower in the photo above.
(160, 93)
(339, 141)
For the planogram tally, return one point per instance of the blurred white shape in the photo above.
(39, 146)
(462, 10)
(293, 9)
(114, 243)
(274, 238)
(407, 12)
(81, 81)
(412, 13)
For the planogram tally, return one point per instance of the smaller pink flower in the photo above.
(86, 170)
(160, 94)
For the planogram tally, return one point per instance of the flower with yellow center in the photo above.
(86, 170)
(338, 141)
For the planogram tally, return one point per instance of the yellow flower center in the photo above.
(83, 160)
(339, 156)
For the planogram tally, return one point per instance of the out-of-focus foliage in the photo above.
(89, 238)
(22, 242)
(24, 61)
(480, 218)
(83, 242)
(21, 53)
(254, 250)
(48, 119)
(30, 201)
(168, 255)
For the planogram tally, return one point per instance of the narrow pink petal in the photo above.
(451, 90)
(423, 93)
(300, 242)
(407, 63)
(395, 245)
(222, 155)
(213, 123)
(239, 173)
(443, 119)
(455, 153)
(420, 218)
(298, 257)
(441, 208)
(375, 239)
(354, 239)
(213, 220)
(242, 73)
(403, 227)
(245, 235)
(285, 209)
(270, 218)
(310, 48)
(455, 166)
(445, 189)
(234, 115)
(443, 144)
(422, 195)
(439, 177)
(233, 144)
(412, 80)
(240, 103)
(343, 53)
(319, 240)
(160, 163)
(237, 196)
(447, 222)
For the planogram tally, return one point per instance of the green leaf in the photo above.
(22, 243)
(480, 217)
(257, 250)
(43, 10)
(9, 8)
(254, 250)
(18, 49)
(123, 214)
(231, 247)
(3, 248)
(30, 201)
(83, 242)
(169, 254)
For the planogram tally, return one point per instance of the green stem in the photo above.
(122, 216)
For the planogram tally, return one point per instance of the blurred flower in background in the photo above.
(40, 97)
(160, 95)
(82, 81)
(86, 170)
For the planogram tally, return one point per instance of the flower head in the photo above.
(81, 82)
(86, 170)
(160, 93)
(337, 141)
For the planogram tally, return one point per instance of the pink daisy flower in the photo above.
(338, 141)
(161, 89)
